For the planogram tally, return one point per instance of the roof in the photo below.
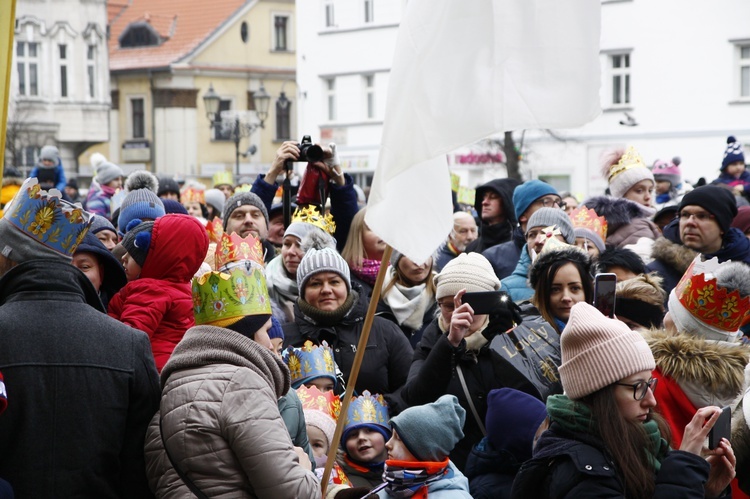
(182, 25)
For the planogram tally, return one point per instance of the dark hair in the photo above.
(626, 442)
(619, 257)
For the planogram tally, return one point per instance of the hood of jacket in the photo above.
(504, 187)
(114, 276)
(735, 246)
(179, 244)
(674, 255)
(617, 211)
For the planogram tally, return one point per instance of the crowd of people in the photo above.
(167, 340)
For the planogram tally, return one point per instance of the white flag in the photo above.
(464, 70)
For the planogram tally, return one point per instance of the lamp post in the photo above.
(261, 100)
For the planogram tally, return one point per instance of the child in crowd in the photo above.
(107, 182)
(418, 462)
(161, 259)
(311, 365)
(276, 334)
(669, 185)
(49, 171)
(733, 171)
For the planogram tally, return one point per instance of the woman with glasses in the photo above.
(604, 438)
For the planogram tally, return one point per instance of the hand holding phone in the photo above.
(722, 428)
(484, 302)
(604, 294)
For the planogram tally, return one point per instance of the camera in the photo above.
(309, 152)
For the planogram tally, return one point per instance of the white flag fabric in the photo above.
(464, 70)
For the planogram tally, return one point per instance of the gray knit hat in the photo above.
(597, 351)
(99, 223)
(240, 199)
(141, 204)
(592, 236)
(215, 198)
(106, 172)
(324, 260)
(431, 431)
(546, 217)
(50, 153)
(471, 271)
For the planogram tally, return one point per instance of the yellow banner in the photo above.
(466, 195)
(7, 25)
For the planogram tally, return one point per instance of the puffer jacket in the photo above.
(628, 224)
(99, 200)
(222, 424)
(517, 284)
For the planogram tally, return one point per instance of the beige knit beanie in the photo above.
(597, 351)
(468, 270)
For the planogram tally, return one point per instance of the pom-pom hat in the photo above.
(667, 171)
(324, 260)
(470, 271)
(733, 153)
(138, 240)
(623, 171)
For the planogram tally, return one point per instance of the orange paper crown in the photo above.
(326, 402)
(215, 229)
(586, 218)
(193, 195)
(311, 215)
(232, 248)
(712, 304)
(631, 159)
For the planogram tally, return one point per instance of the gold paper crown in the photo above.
(309, 362)
(631, 159)
(223, 178)
(712, 304)
(193, 195)
(586, 218)
(215, 229)
(326, 402)
(311, 215)
(233, 248)
(220, 295)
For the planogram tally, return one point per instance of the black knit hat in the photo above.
(168, 184)
(137, 240)
(716, 200)
(619, 257)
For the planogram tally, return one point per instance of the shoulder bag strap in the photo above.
(193, 487)
(468, 399)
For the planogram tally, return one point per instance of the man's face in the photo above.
(699, 230)
(548, 201)
(492, 208)
(247, 219)
(276, 229)
(464, 232)
(536, 237)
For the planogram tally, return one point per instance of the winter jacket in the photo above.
(290, 408)
(490, 471)
(517, 284)
(670, 261)
(491, 235)
(221, 422)
(160, 302)
(99, 200)
(52, 177)
(504, 257)
(453, 485)
(386, 362)
(82, 388)
(433, 373)
(577, 466)
(727, 179)
(628, 224)
(444, 255)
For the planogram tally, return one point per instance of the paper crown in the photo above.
(193, 195)
(311, 215)
(309, 362)
(586, 218)
(232, 248)
(225, 295)
(367, 409)
(708, 302)
(223, 178)
(214, 228)
(45, 217)
(243, 188)
(631, 159)
(314, 400)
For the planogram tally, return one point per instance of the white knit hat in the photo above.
(624, 169)
(324, 260)
(468, 270)
(597, 351)
(321, 421)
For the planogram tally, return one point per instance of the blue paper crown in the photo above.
(310, 362)
(45, 217)
(367, 410)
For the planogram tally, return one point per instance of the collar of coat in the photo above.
(675, 255)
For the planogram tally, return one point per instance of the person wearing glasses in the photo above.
(604, 439)
(702, 226)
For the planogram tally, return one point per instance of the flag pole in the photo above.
(361, 347)
(7, 26)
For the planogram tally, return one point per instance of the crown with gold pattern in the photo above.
(326, 402)
(586, 218)
(215, 229)
(708, 302)
(218, 296)
(367, 410)
(233, 248)
(223, 178)
(310, 362)
(631, 159)
(193, 195)
(45, 217)
(311, 215)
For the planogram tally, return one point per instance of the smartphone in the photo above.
(604, 294)
(484, 302)
(721, 429)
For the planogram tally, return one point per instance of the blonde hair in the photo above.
(354, 250)
(645, 287)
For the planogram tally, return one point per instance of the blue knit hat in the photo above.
(733, 153)
(528, 192)
(431, 431)
(276, 331)
(512, 420)
(172, 206)
(142, 204)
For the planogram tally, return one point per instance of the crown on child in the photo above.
(586, 218)
(193, 195)
(232, 248)
(215, 229)
(309, 362)
(367, 409)
(225, 295)
(699, 292)
(311, 215)
(326, 402)
(44, 216)
(223, 178)
(631, 159)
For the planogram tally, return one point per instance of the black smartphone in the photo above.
(721, 429)
(484, 302)
(604, 294)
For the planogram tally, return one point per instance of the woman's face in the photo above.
(89, 265)
(415, 274)
(194, 209)
(374, 246)
(291, 254)
(325, 291)
(631, 409)
(641, 193)
(566, 290)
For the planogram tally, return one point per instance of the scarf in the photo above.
(368, 272)
(411, 478)
(332, 318)
(575, 417)
(281, 287)
(408, 304)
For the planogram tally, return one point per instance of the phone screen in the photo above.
(483, 302)
(721, 429)
(604, 293)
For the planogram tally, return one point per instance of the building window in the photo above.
(330, 23)
(280, 32)
(222, 132)
(27, 60)
(620, 72)
(139, 125)
(330, 85)
(91, 69)
(369, 11)
(283, 113)
(744, 71)
(139, 34)
(63, 52)
(369, 83)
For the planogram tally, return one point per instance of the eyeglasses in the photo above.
(640, 389)
(447, 305)
(549, 202)
(699, 217)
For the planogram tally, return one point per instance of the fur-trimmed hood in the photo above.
(674, 255)
(741, 433)
(617, 211)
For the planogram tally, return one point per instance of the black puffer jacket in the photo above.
(490, 235)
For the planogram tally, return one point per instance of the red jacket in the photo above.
(160, 301)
